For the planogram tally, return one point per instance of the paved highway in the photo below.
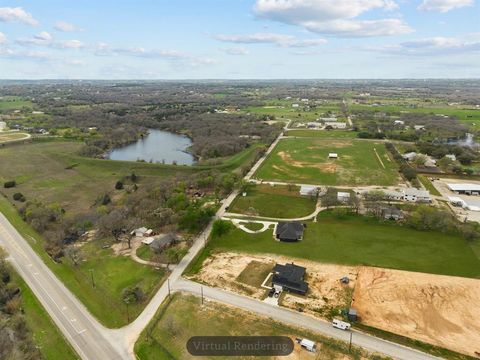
(83, 331)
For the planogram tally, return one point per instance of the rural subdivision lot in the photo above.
(307, 161)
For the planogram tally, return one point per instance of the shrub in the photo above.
(9, 184)
(19, 197)
(119, 185)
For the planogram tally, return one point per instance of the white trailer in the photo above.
(341, 324)
(308, 345)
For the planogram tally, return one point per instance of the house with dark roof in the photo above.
(392, 213)
(290, 277)
(160, 243)
(290, 231)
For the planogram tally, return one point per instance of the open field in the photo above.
(51, 171)
(11, 136)
(359, 241)
(268, 201)
(111, 275)
(46, 335)
(183, 316)
(13, 103)
(332, 134)
(439, 310)
(468, 116)
(306, 161)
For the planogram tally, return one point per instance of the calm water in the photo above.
(157, 146)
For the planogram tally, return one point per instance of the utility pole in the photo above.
(201, 290)
(168, 284)
(350, 345)
(93, 281)
(128, 312)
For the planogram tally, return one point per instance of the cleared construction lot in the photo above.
(440, 310)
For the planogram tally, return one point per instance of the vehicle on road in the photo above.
(339, 324)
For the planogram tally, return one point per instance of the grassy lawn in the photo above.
(255, 273)
(360, 241)
(306, 161)
(9, 136)
(428, 185)
(112, 274)
(13, 103)
(466, 115)
(183, 316)
(268, 201)
(322, 134)
(46, 335)
(253, 226)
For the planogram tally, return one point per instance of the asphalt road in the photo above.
(290, 317)
(84, 332)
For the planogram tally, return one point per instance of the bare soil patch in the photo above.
(328, 167)
(440, 310)
(326, 294)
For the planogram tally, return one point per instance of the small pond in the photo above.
(158, 146)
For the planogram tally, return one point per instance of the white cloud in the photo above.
(270, 38)
(17, 14)
(66, 27)
(3, 38)
(69, 44)
(333, 17)
(236, 51)
(444, 5)
(434, 46)
(44, 38)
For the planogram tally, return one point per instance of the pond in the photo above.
(159, 147)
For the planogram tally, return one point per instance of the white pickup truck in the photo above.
(341, 324)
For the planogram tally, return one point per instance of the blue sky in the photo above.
(239, 39)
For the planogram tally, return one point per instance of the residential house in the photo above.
(308, 190)
(335, 124)
(409, 156)
(290, 231)
(343, 196)
(161, 243)
(392, 213)
(290, 277)
(451, 157)
(416, 195)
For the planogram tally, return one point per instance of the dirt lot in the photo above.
(440, 310)
(326, 294)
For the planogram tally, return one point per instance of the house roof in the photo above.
(291, 276)
(161, 242)
(416, 192)
(464, 187)
(292, 230)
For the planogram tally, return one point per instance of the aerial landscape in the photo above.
(293, 179)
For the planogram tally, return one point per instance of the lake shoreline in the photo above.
(156, 146)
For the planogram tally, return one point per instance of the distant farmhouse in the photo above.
(290, 277)
(335, 125)
(416, 195)
(308, 190)
(289, 231)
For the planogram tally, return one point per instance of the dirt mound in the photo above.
(440, 310)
